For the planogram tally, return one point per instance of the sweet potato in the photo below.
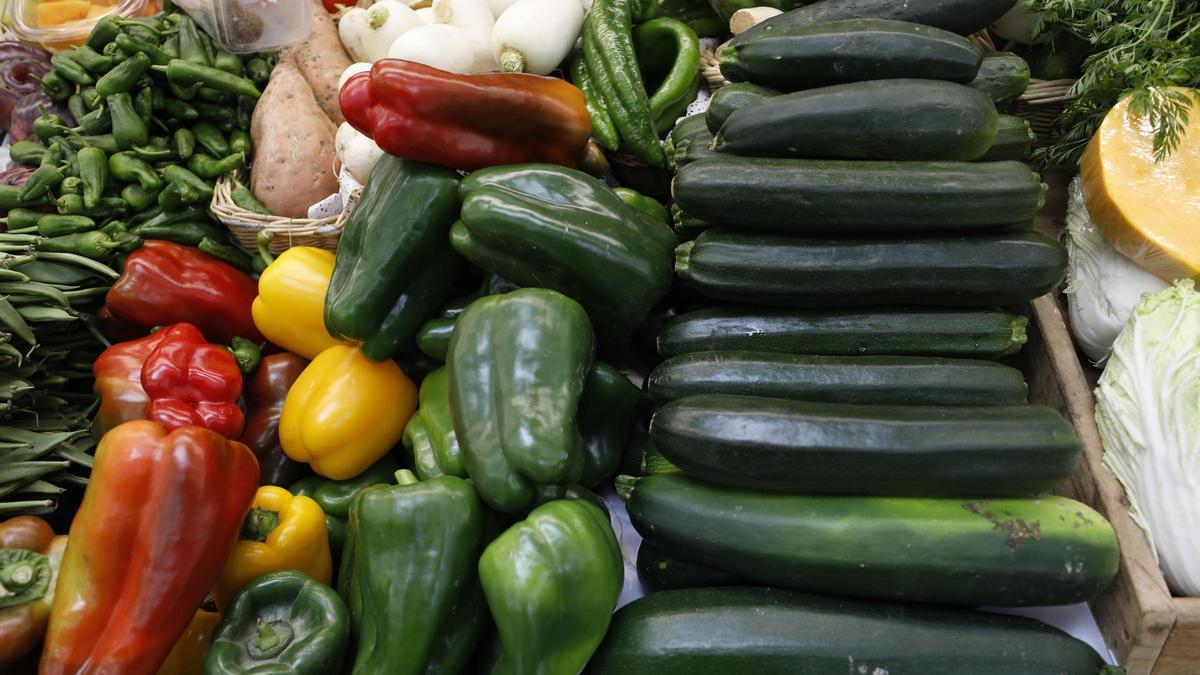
(322, 59)
(295, 150)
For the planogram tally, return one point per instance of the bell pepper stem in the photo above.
(246, 354)
(405, 477)
(270, 640)
(259, 524)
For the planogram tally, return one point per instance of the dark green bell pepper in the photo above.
(515, 374)
(552, 582)
(282, 622)
(409, 576)
(608, 412)
(552, 227)
(429, 435)
(394, 265)
(334, 496)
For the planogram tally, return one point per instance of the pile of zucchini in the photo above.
(835, 421)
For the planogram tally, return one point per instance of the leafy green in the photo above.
(1139, 47)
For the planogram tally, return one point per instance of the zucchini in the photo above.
(690, 149)
(883, 380)
(686, 227)
(1007, 268)
(957, 16)
(999, 552)
(658, 572)
(1014, 140)
(882, 119)
(641, 458)
(731, 97)
(802, 447)
(769, 631)
(684, 129)
(847, 197)
(801, 57)
(1003, 76)
(963, 333)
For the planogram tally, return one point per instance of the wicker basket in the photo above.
(285, 232)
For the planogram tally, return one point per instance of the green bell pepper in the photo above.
(335, 496)
(282, 622)
(515, 375)
(409, 576)
(551, 227)
(394, 266)
(552, 582)
(641, 202)
(668, 53)
(608, 412)
(429, 435)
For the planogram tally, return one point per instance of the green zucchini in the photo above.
(684, 129)
(882, 119)
(963, 333)
(686, 227)
(659, 572)
(1014, 140)
(691, 150)
(731, 97)
(1007, 268)
(802, 447)
(1003, 76)
(999, 552)
(802, 57)
(641, 458)
(847, 197)
(769, 631)
(957, 16)
(883, 380)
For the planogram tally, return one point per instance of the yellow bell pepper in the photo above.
(290, 307)
(345, 412)
(281, 532)
(187, 656)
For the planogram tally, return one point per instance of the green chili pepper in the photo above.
(158, 216)
(56, 87)
(171, 46)
(76, 106)
(604, 131)
(91, 98)
(87, 244)
(227, 62)
(183, 143)
(122, 78)
(71, 185)
(180, 110)
(171, 197)
(154, 155)
(183, 93)
(188, 234)
(10, 198)
(91, 60)
(669, 50)
(72, 205)
(126, 242)
(227, 253)
(27, 153)
(207, 166)
(141, 30)
(258, 71)
(209, 137)
(245, 111)
(128, 168)
(106, 142)
(48, 126)
(143, 103)
(53, 225)
(98, 121)
(211, 95)
(113, 51)
(184, 73)
(239, 141)
(114, 228)
(22, 219)
(177, 175)
(128, 127)
(70, 70)
(133, 46)
(93, 171)
(104, 32)
(47, 176)
(245, 199)
(191, 46)
(138, 197)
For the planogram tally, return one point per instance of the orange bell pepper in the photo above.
(30, 556)
(187, 656)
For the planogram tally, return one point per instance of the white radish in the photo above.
(438, 45)
(386, 21)
(426, 14)
(475, 18)
(357, 152)
(354, 69)
(534, 36)
(352, 27)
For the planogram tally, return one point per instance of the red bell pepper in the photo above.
(118, 373)
(265, 394)
(165, 283)
(190, 382)
(159, 517)
(467, 121)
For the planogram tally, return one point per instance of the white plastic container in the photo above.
(244, 26)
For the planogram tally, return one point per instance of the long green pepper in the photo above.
(122, 78)
(603, 130)
(128, 127)
(93, 171)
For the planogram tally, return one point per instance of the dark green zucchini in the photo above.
(731, 97)
(782, 271)
(855, 50)
(769, 631)
(684, 129)
(881, 119)
(690, 149)
(883, 380)
(802, 447)
(686, 227)
(1014, 140)
(641, 458)
(1003, 76)
(998, 552)
(974, 333)
(957, 16)
(658, 572)
(846, 197)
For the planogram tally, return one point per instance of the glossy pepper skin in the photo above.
(289, 309)
(281, 532)
(265, 394)
(669, 49)
(552, 582)
(467, 122)
(191, 382)
(30, 557)
(608, 413)
(344, 412)
(165, 283)
(118, 373)
(408, 576)
(429, 435)
(394, 264)
(187, 656)
(141, 560)
(335, 496)
(614, 259)
(281, 622)
(515, 375)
